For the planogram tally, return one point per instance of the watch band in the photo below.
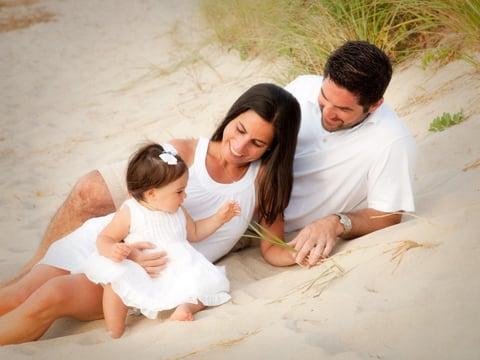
(346, 223)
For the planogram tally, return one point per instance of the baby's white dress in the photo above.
(188, 278)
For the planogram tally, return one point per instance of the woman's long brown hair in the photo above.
(279, 108)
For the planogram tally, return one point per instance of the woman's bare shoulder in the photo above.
(185, 148)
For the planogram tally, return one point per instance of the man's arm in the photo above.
(389, 188)
(369, 220)
(318, 239)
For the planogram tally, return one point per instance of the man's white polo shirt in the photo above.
(368, 166)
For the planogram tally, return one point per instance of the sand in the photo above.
(83, 83)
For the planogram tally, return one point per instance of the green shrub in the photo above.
(446, 120)
(442, 55)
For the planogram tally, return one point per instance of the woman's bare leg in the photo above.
(67, 295)
(184, 312)
(89, 198)
(115, 312)
(15, 294)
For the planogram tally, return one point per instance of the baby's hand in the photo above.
(228, 211)
(118, 252)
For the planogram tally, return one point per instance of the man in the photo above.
(353, 164)
(355, 158)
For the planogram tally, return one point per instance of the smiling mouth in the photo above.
(334, 122)
(234, 152)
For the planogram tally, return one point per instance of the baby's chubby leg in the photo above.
(114, 311)
(184, 312)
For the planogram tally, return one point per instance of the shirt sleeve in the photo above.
(302, 85)
(391, 176)
(293, 86)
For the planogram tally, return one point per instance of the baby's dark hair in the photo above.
(146, 170)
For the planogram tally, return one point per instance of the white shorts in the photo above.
(115, 178)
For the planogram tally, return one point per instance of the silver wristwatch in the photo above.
(346, 223)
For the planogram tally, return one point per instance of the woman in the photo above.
(249, 158)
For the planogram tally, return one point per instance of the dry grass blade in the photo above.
(263, 234)
(235, 341)
(223, 343)
(15, 3)
(402, 247)
(186, 355)
(412, 215)
(318, 283)
(472, 165)
(14, 22)
(155, 72)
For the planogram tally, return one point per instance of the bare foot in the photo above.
(182, 313)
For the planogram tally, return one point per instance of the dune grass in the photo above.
(446, 120)
(259, 232)
(305, 32)
(401, 247)
(11, 20)
(472, 165)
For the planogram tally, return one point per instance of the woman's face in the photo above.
(246, 138)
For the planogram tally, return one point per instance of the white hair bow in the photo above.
(168, 148)
(168, 154)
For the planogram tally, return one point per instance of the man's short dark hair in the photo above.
(361, 68)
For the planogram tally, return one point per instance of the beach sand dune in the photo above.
(84, 83)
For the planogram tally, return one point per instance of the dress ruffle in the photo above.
(171, 288)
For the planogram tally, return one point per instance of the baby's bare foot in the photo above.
(182, 313)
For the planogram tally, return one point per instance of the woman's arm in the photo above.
(199, 230)
(109, 240)
(272, 254)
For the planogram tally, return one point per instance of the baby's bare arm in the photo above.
(109, 240)
(199, 230)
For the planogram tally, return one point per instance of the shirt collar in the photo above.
(313, 97)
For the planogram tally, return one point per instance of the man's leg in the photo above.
(89, 198)
(67, 295)
(13, 295)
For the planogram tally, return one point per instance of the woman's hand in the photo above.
(152, 262)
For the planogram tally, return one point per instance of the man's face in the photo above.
(340, 108)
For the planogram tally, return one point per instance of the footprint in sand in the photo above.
(24, 349)
(316, 336)
(16, 250)
(98, 336)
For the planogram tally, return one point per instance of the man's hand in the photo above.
(316, 240)
(152, 262)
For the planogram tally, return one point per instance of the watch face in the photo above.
(346, 222)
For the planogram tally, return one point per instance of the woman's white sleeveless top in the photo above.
(205, 196)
